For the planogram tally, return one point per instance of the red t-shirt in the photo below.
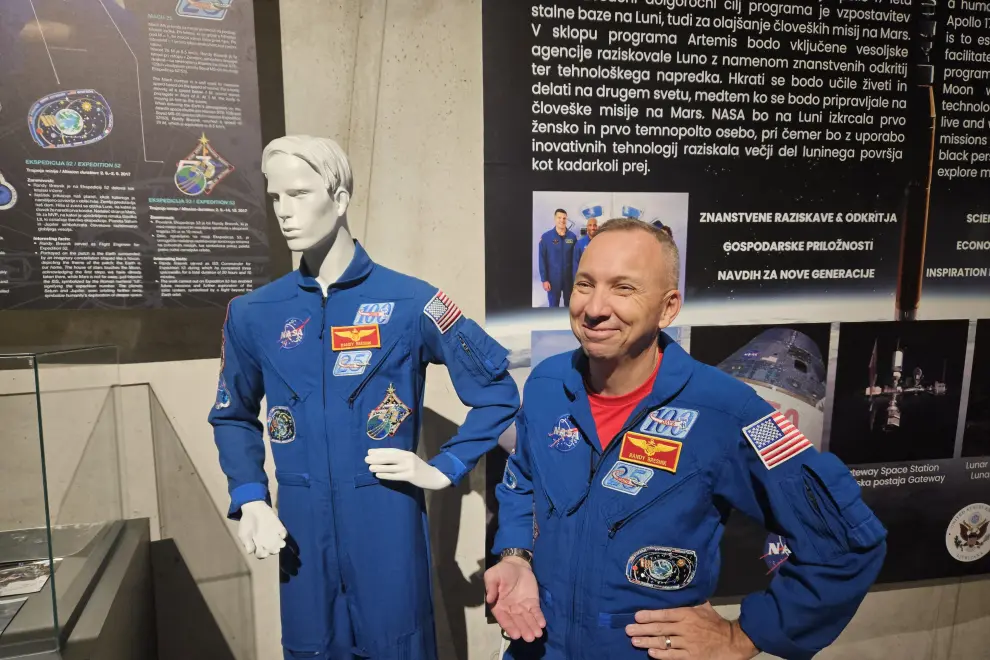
(612, 412)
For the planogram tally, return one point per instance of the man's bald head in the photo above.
(671, 257)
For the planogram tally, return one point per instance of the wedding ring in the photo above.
(667, 642)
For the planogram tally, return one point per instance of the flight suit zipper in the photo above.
(484, 364)
(323, 387)
(292, 393)
(367, 379)
(619, 524)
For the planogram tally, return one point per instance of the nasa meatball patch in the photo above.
(564, 436)
(658, 567)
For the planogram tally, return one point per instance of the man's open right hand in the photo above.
(511, 590)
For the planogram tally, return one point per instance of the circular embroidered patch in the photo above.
(775, 552)
(662, 568)
(281, 425)
(564, 436)
(292, 333)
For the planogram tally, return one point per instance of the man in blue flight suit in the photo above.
(629, 457)
(591, 214)
(339, 348)
(556, 260)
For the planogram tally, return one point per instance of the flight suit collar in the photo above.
(356, 272)
(674, 373)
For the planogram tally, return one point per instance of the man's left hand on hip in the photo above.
(693, 632)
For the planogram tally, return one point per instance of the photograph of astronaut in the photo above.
(787, 365)
(976, 437)
(564, 223)
(897, 391)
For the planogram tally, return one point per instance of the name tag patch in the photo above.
(356, 336)
(281, 425)
(627, 478)
(379, 313)
(650, 451)
(351, 363)
(666, 569)
(669, 422)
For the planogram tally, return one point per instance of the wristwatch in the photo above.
(517, 552)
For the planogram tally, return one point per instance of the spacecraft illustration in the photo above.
(920, 151)
(893, 394)
(786, 369)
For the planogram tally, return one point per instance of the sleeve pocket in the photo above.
(827, 500)
(484, 357)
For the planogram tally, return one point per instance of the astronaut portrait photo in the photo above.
(564, 223)
(897, 391)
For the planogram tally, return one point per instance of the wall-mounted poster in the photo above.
(824, 170)
(130, 153)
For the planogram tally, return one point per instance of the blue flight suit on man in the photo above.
(638, 526)
(556, 263)
(342, 374)
(579, 248)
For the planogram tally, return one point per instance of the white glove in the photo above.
(402, 465)
(260, 530)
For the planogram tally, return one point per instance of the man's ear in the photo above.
(671, 308)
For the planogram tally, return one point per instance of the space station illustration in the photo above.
(899, 390)
(785, 367)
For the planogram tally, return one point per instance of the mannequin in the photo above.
(338, 349)
(316, 225)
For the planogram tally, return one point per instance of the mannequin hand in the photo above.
(402, 465)
(260, 530)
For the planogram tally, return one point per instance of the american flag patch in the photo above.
(442, 311)
(775, 439)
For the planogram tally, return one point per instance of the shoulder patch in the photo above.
(442, 311)
(775, 439)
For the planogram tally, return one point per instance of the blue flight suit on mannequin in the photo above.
(638, 526)
(343, 374)
(556, 264)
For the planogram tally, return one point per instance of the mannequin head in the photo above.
(309, 180)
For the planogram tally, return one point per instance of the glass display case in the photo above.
(60, 491)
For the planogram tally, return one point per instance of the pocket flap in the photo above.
(365, 479)
(292, 479)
